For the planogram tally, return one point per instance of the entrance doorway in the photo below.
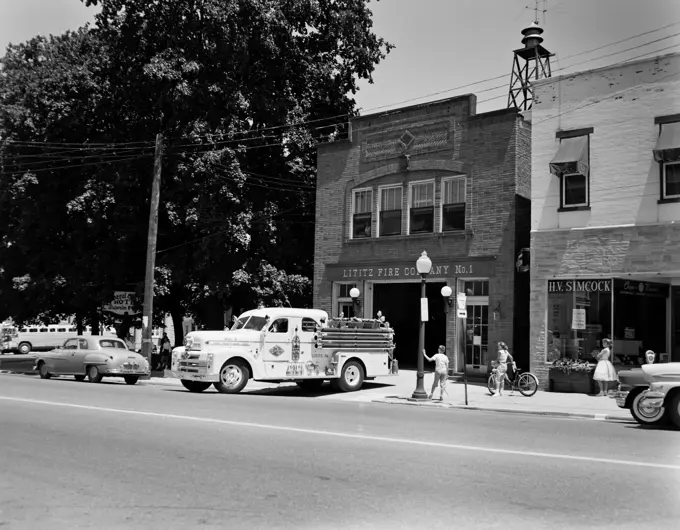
(400, 304)
(477, 336)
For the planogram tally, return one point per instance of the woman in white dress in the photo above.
(604, 371)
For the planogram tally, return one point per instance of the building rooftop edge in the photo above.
(553, 79)
(411, 107)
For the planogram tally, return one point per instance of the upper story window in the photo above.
(362, 207)
(453, 203)
(572, 165)
(421, 208)
(390, 211)
(671, 180)
(667, 153)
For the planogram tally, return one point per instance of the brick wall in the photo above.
(626, 231)
(491, 149)
(617, 252)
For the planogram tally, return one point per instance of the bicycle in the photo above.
(525, 382)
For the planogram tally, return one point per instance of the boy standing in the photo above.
(441, 371)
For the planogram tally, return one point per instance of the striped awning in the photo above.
(667, 147)
(571, 157)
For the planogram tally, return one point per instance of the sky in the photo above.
(442, 45)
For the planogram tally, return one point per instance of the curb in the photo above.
(579, 415)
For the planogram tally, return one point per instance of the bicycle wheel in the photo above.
(527, 384)
(491, 384)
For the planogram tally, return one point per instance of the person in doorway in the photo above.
(504, 360)
(165, 350)
(441, 371)
(604, 371)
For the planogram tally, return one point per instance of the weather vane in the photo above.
(537, 9)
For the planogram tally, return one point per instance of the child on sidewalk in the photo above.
(441, 371)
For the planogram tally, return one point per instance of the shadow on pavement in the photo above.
(291, 390)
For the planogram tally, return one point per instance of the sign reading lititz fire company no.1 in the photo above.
(406, 271)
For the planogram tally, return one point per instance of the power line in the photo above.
(79, 165)
(600, 100)
(255, 219)
(347, 115)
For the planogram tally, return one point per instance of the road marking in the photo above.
(336, 434)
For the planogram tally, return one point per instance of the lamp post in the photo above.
(423, 266)
(354, 293)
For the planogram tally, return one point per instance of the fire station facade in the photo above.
(440, 178)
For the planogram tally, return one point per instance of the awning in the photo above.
(668, 145)
(571, 157)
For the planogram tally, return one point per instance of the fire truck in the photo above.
(281, 344)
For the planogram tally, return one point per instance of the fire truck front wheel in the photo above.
(352, 377)
(234, 377)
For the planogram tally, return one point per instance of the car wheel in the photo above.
(310, 385)
(644, 415)
(674, 410)
(44, 373)
(93, 374)
(25, 348)
(79, 377)
(195, 386)
(352, 377)
(234, 377)
(131, 379)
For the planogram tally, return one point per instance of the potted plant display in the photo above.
(571, 375)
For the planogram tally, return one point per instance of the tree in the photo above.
(243, 90)
(60, 185)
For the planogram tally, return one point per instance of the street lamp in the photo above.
(423, 266)
(446, 294)
(354, 293)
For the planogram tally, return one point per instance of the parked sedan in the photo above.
(94, 357)
(632, 384)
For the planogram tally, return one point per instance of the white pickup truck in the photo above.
(285, 344)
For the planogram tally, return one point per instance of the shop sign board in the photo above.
(407, 270)
(575, 286)
(122, 303)
(636, 288)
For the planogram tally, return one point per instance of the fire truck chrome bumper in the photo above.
(189, 376)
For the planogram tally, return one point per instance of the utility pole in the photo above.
(147, 318)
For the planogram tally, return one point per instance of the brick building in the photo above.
(605, 201)
(435, 177)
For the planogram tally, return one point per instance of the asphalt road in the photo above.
(79, 455)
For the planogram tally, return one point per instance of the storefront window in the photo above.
(579, 317)
(639, 320)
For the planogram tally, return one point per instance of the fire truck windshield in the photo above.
(252, 322)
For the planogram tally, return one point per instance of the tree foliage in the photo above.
(242, 91)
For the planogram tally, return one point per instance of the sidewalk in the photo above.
(479, 398)
(397, 390)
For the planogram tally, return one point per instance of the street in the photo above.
(79, 455)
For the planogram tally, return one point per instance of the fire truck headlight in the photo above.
(210, 361)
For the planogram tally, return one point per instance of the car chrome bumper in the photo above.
(653, 400)
(118, 371)
(620, 396)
